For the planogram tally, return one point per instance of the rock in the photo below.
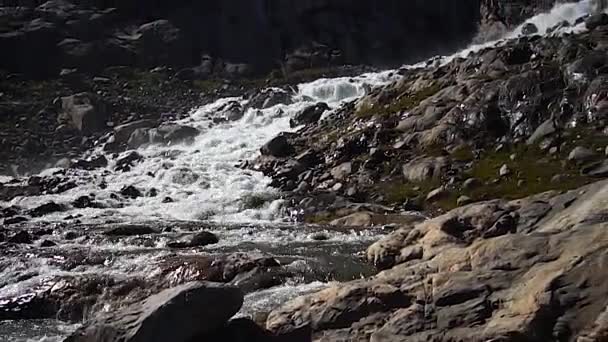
(309, 115)
(86, 112)
(161, 43)
(173, 134)
(47, 243)
(529, 29)
(278, 147)
(91, 163)
(599, 170)
(122, 133)
(46, 209)
(138, 138)
(596, 20)
(131, 192)
(167, 200)
(471, 183)
(360, 219)
(581, 154)
(127, 161)
(342, 171)
(15, 220)
(130, 230)
(424, 169)
(198, 240)
(463, 200)
(269, 98)
(21, 237)
(84, 202)
(177, 314)
(437, 194)
(545, 129)
(504, 171)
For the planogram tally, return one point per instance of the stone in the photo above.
(278, 147)
(360, 219)
(309, 115)
(91, 163)
(131, 192)
(463, 200)
(130, 230)
(596, 20)
(545, 129)
(47, 243)
(437, 194)
(15, 220)
(173, 134)
(342, 171)
(123, 132)
(45, 209)
(471, 183)
(177, 314)
(529, 29)
(82, 202)
(21, 237)
(424, 169)
(127, 161)
(198, 240)
(269, 98)
(581, 154)
(86, 112)
(504, 171)
(599, 170)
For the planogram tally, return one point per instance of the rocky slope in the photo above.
(504, 122)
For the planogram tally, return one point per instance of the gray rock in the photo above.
(529, 29)
(198, 240)
(85, 112)
(463, 200)
(278, 147)
(122, 133)
(599, 170)
(471, 183)
(437, 194)
(581, 154)
(130, 230)
(545, 129)
(596, 21)
(342, 171)
(424, 169)
(139, 137)
(178, 314)
(504, 171)
(269, 98)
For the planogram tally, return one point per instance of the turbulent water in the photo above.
(206, 184)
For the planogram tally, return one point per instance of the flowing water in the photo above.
(208, 190)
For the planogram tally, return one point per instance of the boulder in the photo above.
(424, 169)
(529, 29)
(160, 43)
(178, 314)
(86, 112)
(309, 115)
(278, 147)
(21, 237)
(361, 219)
(131, 192)
(269, 98)
(198, 240)
(596, 21)
(342, 171)
(173, 134)
(45, 209)
(122, 133)
(127, 161)
(130, 230)
(581, 154)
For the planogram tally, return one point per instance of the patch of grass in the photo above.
(532, 172)
(403, 102)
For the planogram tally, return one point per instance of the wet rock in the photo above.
(198, 240)
(581, 154)
(21, 237)
(126, 162)
(86, 112)
(84, 202)
(131, 192)
(529, 29)
(596, 20)
(130, 230)
(269, 98)
(46, 209)
(231, 111)
(70, 235)
(15, 220)
(178, 314)
(138, 138)
(309, 115)
(91, 163)
(122, 133)
(173, 134)
(167, 200)
(278, 147)
(47, 243)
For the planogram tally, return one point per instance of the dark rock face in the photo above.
(309, 115)
(301, 35)
(85, 112)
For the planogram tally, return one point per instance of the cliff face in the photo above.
(242, 36)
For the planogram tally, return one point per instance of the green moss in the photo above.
(403, 102)
(532, 167)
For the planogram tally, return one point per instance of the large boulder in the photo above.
(278, 147)
(179, 314)
(161, 43)
(86, 112)
(309, 115)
